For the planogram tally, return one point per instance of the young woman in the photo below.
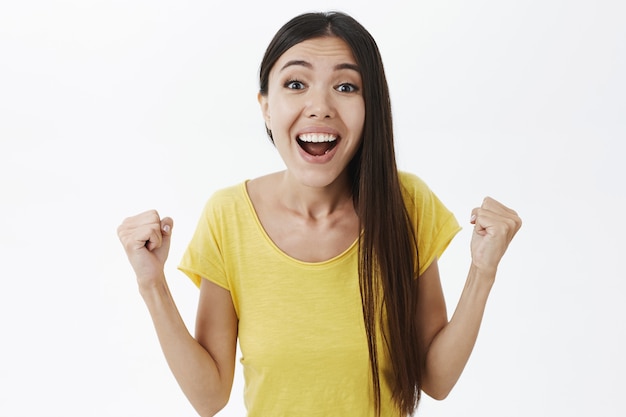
(325, 272)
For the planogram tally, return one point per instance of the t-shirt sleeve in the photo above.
(434, 225)
(203, 256)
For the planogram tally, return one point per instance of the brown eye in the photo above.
(347, 88)
(294, 85)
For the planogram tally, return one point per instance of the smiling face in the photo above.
(315, 110)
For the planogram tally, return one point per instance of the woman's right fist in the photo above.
(146, 240)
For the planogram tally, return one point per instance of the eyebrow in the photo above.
(308, 65)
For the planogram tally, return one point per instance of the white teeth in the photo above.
(317, 137)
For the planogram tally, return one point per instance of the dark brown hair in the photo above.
(387, 245)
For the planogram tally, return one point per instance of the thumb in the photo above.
(167, 224)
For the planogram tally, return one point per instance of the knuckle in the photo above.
(153, 215)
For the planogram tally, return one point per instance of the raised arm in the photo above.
(203, 367)
(448, 345)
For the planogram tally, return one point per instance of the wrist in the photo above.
(481, 275)
(152, 287)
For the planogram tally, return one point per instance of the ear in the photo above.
(265, 108)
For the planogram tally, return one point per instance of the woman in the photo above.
(325, 272)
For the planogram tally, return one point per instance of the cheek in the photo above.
(356, 118)
(283, 112)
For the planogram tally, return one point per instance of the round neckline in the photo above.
(281, 252)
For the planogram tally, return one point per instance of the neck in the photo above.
(315, 202)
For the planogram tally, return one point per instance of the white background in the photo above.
(108, 108)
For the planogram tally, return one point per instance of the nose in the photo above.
(320, 104)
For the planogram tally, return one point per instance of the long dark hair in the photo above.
(387, 244)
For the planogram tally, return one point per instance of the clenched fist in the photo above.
(146, 240)
(495, 225)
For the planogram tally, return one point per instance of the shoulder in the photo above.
(226, 200)
(232, 192)
(434, 224)
(419, 199)
(413, 188)
(240, 198)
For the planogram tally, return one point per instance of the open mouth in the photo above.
(317, 144)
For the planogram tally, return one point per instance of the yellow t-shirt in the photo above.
(301, 331)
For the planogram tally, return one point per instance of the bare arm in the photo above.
(204, 367)
(448, 344)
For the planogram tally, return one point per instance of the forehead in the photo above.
(329, 49)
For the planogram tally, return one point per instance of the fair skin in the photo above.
(314, 95)
(314, 89)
